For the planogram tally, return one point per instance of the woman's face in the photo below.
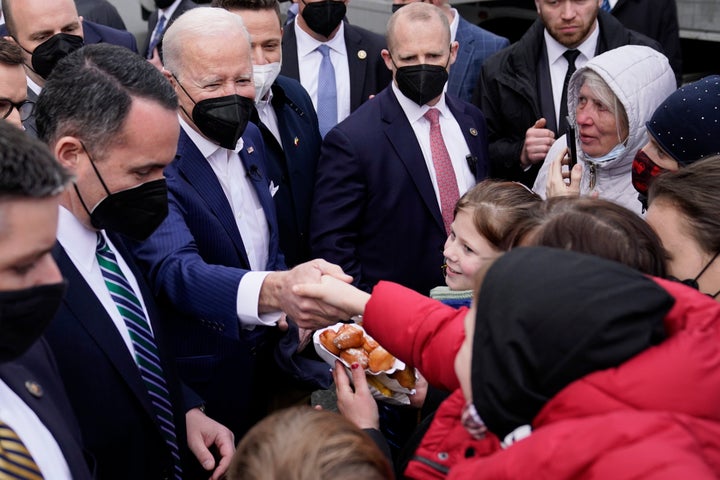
(463, 359)
(465, 252)
(597, 127)
(686, 258)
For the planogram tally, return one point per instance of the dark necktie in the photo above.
(143, 341)
(570, 56)
(15, 460)
(444, 171)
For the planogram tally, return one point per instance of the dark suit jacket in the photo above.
(100, 11)
(104, 385)
(658, 19)
(194, 262)
(475, 45)
(291, 166)
(52, 408)
(375, 212)
(368, 73)
(184, 6)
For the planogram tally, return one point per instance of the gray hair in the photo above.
(197, 23)
(605, 95)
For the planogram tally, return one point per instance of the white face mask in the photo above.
(264, 76)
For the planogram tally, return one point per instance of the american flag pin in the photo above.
(250, 150)
(473, 132)
(296, 141)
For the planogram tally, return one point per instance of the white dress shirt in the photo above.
(268, 117)
(452, 136)
(249, 218)
(309, 65)
(80, 244)
(34, 435)
(454, 24)
(558, 63)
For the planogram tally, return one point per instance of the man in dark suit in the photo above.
(33, 403)
(658, 19)
(47, 30)
(160, 19)
(215, 261)
(475, 45)
(287, 120)
(522, 88)
(353, 51)
(380, 208)
(109, 117)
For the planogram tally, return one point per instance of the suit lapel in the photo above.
(402, 137)
(290, 66)
(87, 309)
(199, 174)
(357, 64)
(472, 133)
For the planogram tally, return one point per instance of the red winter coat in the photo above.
(655, 416)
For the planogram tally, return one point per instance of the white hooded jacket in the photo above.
(641, 78)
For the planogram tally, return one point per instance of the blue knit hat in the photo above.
(687, 124)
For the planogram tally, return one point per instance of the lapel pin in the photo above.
(251, 149)
(34, 388)
(296, 141)
(473, 132)
(362, 54)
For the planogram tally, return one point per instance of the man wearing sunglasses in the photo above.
(14, 105)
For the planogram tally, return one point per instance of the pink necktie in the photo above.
(447, 184)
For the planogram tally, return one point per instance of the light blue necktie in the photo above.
(156, 35)
(327, 93)
(606, 5)
(146, 351)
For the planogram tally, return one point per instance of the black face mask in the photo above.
(135, 212)
(162, 4)
(52, 50)
(421, 83)
(324, 17)
(24, 315)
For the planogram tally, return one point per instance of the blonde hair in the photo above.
(301, 443)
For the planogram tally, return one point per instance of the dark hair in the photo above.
(90, 92)
(496, 207)
(693, 191)
(593, 226)
(27, 168)
(307, 444)
(249, 5)
(10, 53)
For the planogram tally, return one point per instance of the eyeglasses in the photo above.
(24, 108)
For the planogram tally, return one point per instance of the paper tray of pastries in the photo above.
(389, 379)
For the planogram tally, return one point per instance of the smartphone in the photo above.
(571, 143)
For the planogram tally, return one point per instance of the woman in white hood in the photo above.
(609, 101)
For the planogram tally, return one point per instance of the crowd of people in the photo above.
(532, 228)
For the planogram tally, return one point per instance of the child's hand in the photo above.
(356, 405)
(336, 293)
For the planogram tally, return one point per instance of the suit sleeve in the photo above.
(175, 269)
(418, 330)
(338, 204)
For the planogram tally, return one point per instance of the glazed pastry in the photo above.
(405, 377)
(326, 339)
(369, 344)
(380, 360)
(348, 337)
(355, 355)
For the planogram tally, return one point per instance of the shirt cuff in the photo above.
(248, 297)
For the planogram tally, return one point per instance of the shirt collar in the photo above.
(454, 25)
(206, 147)
(415, 112)
(78, 241)
(168, 12)
(33, 86)
(587, 49)
(307, 44)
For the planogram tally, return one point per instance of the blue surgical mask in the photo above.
(616, 152)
